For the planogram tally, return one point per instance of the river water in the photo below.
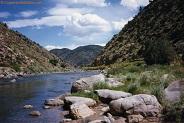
(34, 90)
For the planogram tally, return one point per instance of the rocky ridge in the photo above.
(20, 54)
(81, 56)
(161, 19)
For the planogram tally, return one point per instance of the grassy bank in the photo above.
(139, 78)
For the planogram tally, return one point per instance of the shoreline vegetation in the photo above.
(136, 78)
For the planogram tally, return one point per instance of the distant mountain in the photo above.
(80, 56)
(22, 54)
(161, 19)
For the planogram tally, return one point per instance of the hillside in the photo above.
(23, 55)
(161, 19)
(80, 56)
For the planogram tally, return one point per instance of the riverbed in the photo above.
(33, 90)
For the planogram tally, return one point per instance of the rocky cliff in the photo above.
(80, 56)
(21, 54)
(161, 19)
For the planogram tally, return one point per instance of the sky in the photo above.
(68, 23)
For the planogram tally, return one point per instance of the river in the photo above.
(33, 90)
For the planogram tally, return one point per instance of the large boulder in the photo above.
(74, 99)
(54, 102)
(86, 83)
(144, 104)
(174, 90)
(107, 96)
(80, 110)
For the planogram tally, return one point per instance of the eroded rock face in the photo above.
(72, 99)
(54, 102)
(144, 104)
(86, 83)
(80, 110)
(107, 96)
(174, 90)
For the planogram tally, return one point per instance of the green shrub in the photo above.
(157, 91)
(173, 111)
(132, 69)
(144, 81)
(133, 88)
(85, 94)
(63, 65)
(100, 85)
(53, 62)
(159, 52)
(16, 67)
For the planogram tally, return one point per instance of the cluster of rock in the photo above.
(114, 106)
(130, 108)
(10, 73)
(133, 108)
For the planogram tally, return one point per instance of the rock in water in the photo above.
(54, 102)
(13, 80)
(80, 110)
(174, 90)
(27, 106)
(46, 107)
(35, 113)
(144, 104)
(86, 83)
(107, 96)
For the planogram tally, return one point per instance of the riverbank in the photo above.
(33, 90)
(7, 72)
(157, 83)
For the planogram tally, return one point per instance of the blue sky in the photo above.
(68, 23)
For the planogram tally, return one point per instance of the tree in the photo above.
(54, 62)
(159, 51)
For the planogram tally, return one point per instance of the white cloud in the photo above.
(48, 21)
(4, 14)
(134, 4)
(28, 13)
(119, 25)
(71, 47)
(84, 25)
(89, 3)
(64, 10)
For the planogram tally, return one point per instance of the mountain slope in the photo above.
(80, 56)
(161, 19)
(22, 54)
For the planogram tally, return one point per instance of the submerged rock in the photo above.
(27, 107)
(13, 80)
(35, 113)
(54, 102)
(46, 107)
